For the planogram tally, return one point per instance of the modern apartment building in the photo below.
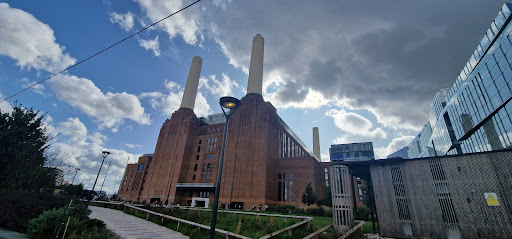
(474, 115)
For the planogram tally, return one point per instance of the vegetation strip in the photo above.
(286, 229)
(177, 219)
(251, 213)
(318, 232)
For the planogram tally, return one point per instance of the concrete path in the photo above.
(131, 227)
(5, 234)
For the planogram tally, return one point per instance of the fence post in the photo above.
(178, 227)
(147, 216)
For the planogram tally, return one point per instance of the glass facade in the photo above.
(352, 152)
(474, 115)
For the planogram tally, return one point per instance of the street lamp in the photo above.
(105, 154)
(76, 171)
(105, 175)
(232, 105)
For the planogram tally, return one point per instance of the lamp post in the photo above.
(101, 189)
(232, 105)
(105, 154)
(76, 171)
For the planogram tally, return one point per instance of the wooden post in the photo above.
(147, 216)
(178, 227)
(290, 233)
(162, 222)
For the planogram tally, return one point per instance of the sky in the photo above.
(361, 71)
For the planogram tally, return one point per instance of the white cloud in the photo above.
(355, 124)
(124, 20)
(80, 149)
(184, 24)
(39, 88)
(169, 103)
(109, 109)
(313, 100)
(5, 107)
(30, 42)
(395, 145)
(345, 139)
(152, 45)
(218, 88)
(131, 146)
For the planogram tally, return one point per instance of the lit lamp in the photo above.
(105, 154)
(231, 104)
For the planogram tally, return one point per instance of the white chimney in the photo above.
(189, 96)
(316, 143)
(255, 83)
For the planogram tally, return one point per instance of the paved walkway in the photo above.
(11, 235)
(131, 227)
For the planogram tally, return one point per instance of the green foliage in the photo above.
(23, 144)
(18, 208)
(74, 190)
(316, 211)
(309, 197)
(368, 227)
(326, 199)
(362, 213)
(52, 224)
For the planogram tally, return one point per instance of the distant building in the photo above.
(352, 152)
(475, 114)
(402, 153)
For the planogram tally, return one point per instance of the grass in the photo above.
(367, 227)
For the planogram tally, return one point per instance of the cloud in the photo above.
(110, 109)
(132, 146)
(30, 42)
(170, 102)
(152, 45)
(391, 62)
(355, 124)
(78, 148)
(124, 20)
(39, 88)
(184, 24)
(5, 107)
(395, 145)
(219, 87)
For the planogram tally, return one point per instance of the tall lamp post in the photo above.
(105, 154)
(76, 171)
(232, 105)
(101, 189)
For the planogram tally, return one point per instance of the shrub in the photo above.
(18, 208)
(315, 211)
(362, 213)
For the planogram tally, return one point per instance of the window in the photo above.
(141, 167)
(198, 149)
(194, 177)
(195, 167)
(204, 167)
(209, 156)
(197, 157)
(200, 141)
(278, 176)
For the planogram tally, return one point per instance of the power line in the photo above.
(86, 59)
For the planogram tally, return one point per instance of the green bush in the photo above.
(18, 208)
(316, 211)
(362, 213)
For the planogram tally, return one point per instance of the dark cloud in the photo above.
(391, 57)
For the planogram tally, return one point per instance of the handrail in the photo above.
(178, 220)
(318, 232)
(352, 230)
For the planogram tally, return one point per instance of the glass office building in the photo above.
(474, 115)
(351, 152)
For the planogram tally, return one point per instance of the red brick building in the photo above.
(265, 163)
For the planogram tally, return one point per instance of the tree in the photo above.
(309, 197)
(23, 144)
(326, 199)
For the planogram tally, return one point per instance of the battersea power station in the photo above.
(265, 163)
